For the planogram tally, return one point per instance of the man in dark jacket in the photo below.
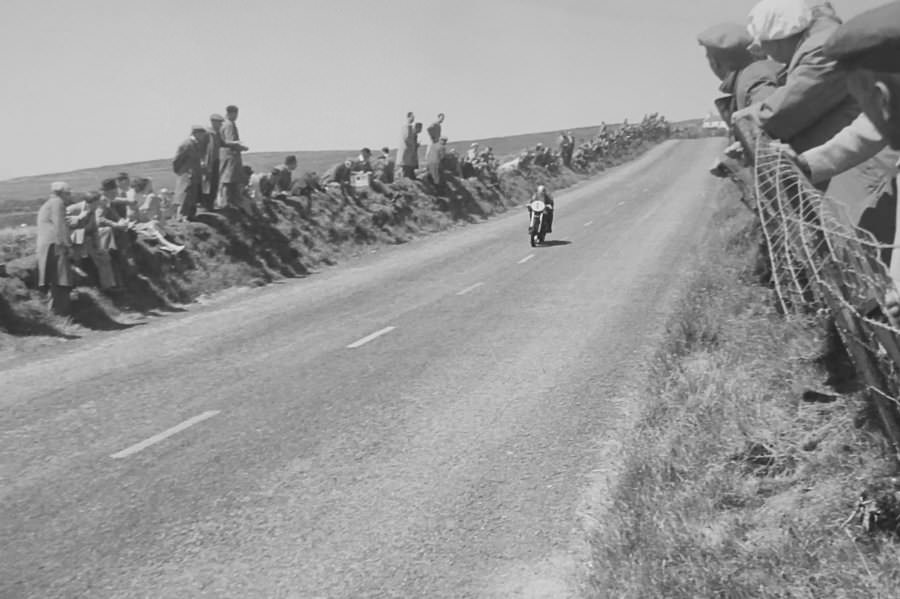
(188, 165)
(745, 78)
(282, 176)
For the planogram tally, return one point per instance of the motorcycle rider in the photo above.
(543, 195)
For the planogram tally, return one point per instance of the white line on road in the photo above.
(620, 203)
(589, 223)
(526, 258)
(468, 289)
(163, 435)
(368, 338)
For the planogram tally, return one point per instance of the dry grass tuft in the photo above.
(733, 486)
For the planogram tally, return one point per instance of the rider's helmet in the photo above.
(542, 190)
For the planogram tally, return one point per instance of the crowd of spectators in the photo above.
(91, 235)
(580, 156)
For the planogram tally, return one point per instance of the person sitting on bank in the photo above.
(281, 177)
(147, 220)
(385, 167)
(82, 220)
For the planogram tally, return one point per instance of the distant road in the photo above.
(424, 422)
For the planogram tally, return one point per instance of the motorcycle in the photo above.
(539, 224)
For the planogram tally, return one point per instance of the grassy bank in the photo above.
(285, 238)
(737, 482)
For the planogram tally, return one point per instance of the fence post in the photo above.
(865, 362)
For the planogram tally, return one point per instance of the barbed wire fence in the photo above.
(822, 266)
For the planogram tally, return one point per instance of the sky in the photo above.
(96, 82)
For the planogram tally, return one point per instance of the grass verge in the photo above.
(732, 484)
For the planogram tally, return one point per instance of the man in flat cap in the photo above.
(232, 173)
(188, 165)
(745, 78)
(867, 48)
(211, 162)
(54, 248)
(814, 103)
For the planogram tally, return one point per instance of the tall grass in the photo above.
(732, 485)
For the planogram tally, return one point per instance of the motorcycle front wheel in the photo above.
(533, 240)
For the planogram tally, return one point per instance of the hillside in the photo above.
(21, 197)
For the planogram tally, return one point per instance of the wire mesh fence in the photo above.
(821, 264)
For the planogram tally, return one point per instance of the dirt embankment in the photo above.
(286, 238)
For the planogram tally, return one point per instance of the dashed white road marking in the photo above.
(163, 435)
(620, 203)
(526, 258)
(470, 288)
(589, 223)
(368, 338)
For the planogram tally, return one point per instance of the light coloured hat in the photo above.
(772, 20)
(58, 186)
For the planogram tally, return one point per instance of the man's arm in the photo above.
(853, 145)
(812, 90)
(78, 218)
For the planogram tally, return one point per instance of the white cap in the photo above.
(772, 20)
(58, 186)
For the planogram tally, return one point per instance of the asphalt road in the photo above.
(423, 422)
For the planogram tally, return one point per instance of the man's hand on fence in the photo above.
(730, 162)
(735, 151)
(750, 113)
(718, 169)
(788, 152)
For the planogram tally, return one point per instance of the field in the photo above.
(21, 197)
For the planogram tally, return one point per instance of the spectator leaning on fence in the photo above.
(54, 248)
(868, 48)
(814, 103)
(745, 78)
